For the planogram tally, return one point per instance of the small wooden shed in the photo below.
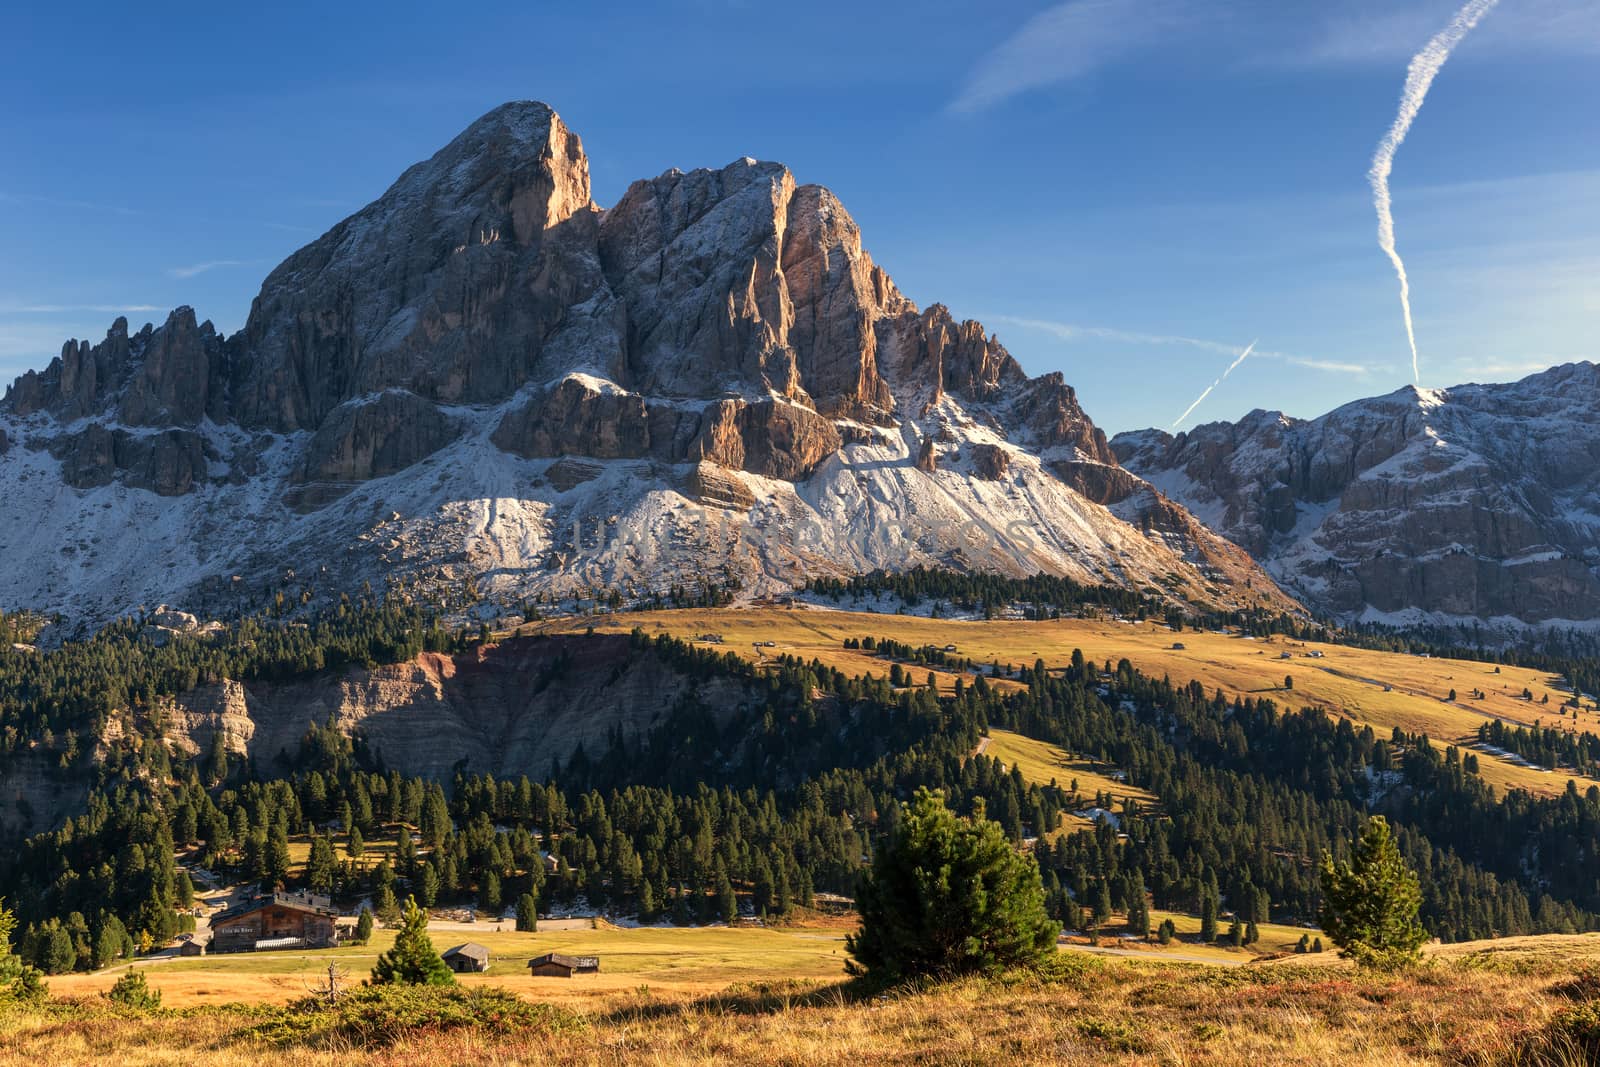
(468, 958)
(555, 965)
(192, 947)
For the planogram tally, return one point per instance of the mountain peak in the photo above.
(484, 334)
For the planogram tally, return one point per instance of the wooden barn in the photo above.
(555, 965)
(276, 920)
(467, 959)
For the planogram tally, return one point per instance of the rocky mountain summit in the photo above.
(1476, 503)
(485, 377)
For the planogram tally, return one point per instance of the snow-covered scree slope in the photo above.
(483, 379)
(1479, 503)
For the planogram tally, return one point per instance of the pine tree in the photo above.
(727, 902)
(413, 960)
(18, 980)
(320, 866)
(489, 894)
(1208, 919)
(1370, 904)
(527, 913)
(948, 896)
(363, 927)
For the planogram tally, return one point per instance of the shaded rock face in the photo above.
(169, 463)
(450, 285)
(576, 419)
(1474, 502)
(375, 438)
(719, 333)
(162, 376)
(989, 461)
(506, 709)
(177, 382)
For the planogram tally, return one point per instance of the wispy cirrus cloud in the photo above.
(1068, 331)
(58, 202)
(1073, 39)
(1383, 31)
(10, 308)
(210, 265)
(1064, 42)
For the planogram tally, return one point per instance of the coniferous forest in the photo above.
(769, 807)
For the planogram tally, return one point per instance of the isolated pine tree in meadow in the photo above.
(1370, 904)
(949, 896)
(363, 927)
(413, 960)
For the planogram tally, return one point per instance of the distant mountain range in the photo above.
(485, 383)
(1476, 504)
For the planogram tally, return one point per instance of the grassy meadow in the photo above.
(1381, 689)
(1501, 1004)
(681, 961)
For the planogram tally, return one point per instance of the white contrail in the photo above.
(1188, 410)
(1419, 77)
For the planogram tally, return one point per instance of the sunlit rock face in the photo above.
(460, 379)
(1480, 502)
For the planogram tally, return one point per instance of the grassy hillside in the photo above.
(1381, 689)
(1506, 1003)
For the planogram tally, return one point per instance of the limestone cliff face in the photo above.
(484, 336)
(167, 463)
(1477, 502)
(506, 709)
(450, 285)
(375, 438)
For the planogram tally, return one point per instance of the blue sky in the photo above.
(1128, 191)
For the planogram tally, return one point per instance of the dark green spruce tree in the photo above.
(949, 896)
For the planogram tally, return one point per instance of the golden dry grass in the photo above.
(666, 959)
(1474, 1006)
(1382, 689)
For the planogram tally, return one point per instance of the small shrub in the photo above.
(132, 991)
(380, 1015)
(1584, 985)
(1572, 1037)
(1115, 1034)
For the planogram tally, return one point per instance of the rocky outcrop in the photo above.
(1478, 502)
(576, 418)
(771, 438)
(375, 438)
(169, 463)
(707, 483)
(989, 461)
(177, 380)
(1104, 483)
(506, 709)
(79, 381)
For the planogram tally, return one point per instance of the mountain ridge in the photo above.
(437, 389)
(1479, 503)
